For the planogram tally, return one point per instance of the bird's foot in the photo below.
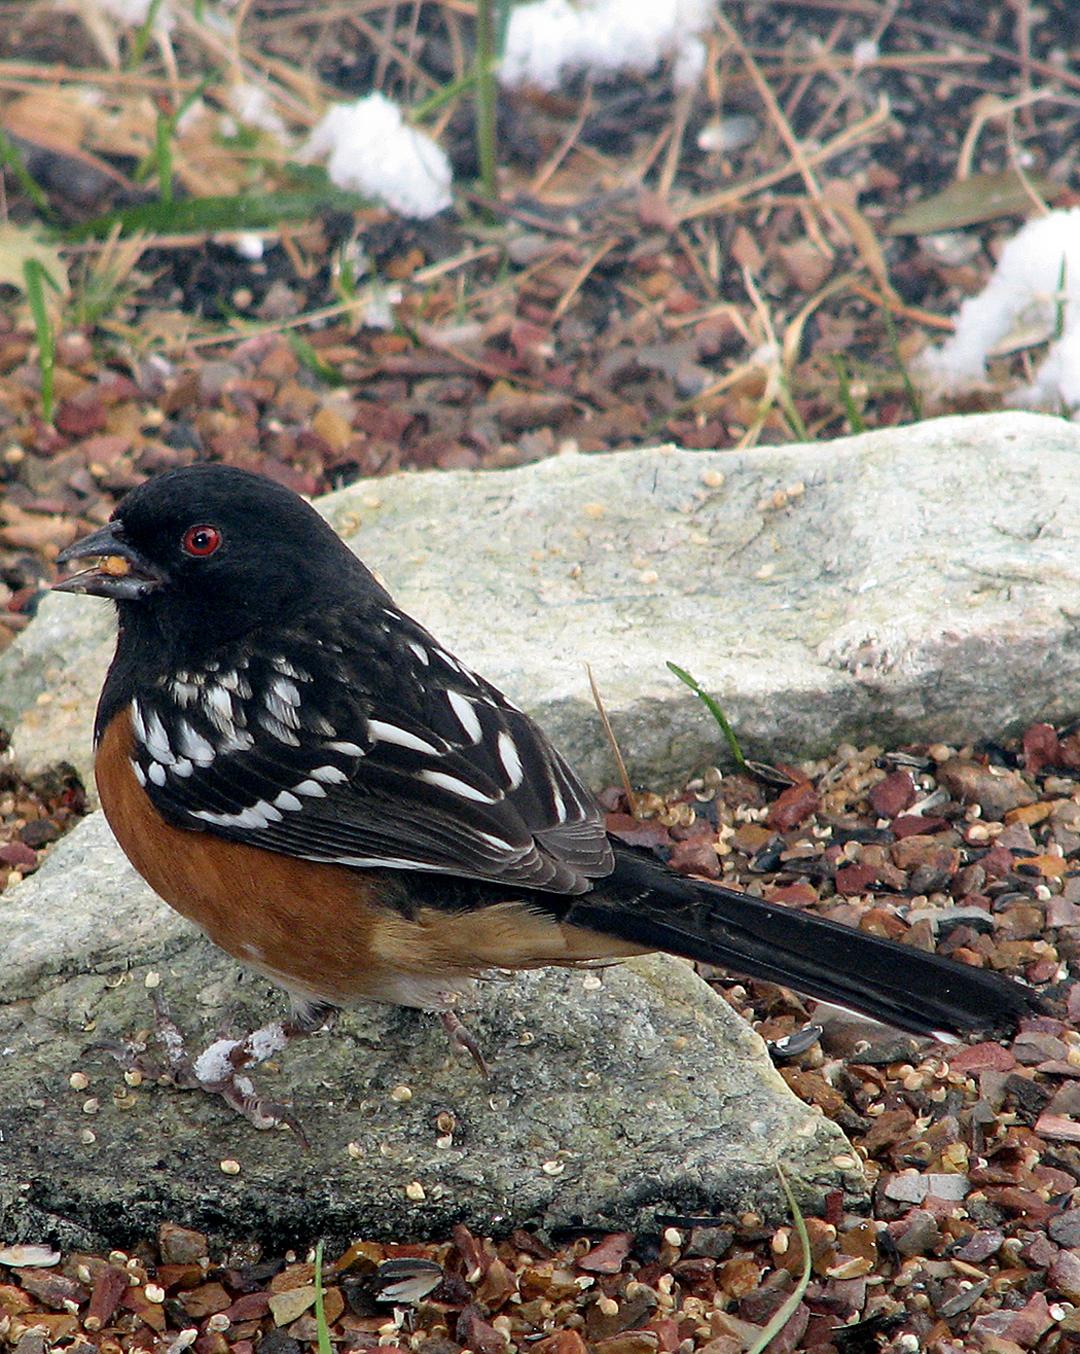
(221, 1067)
(461, 1037)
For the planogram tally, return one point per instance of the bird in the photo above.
(302, 770)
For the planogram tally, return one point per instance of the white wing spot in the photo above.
(329, 775)
(285, 690)
(192, 744)
(185, 693)
(255, 816)
(465, 714)
(380, 731)
(457, 787)
(288, 801)
(311, 788)
(282, 699)
(157, 773)
(451, 662)
(508, 755)
(344, 746)
(140, 774)
(236, 740)
(557, 800)
(157, 740)
(274, 726)
(389, 862)
(182, 768)
(138, 726)
(420, 652)
(232, 681)
(219, 708)
(496, 842)
(281, 664)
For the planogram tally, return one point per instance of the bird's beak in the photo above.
(116, 569)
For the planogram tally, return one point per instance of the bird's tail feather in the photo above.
(902, 986)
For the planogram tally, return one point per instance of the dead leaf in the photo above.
(18, 245)
(983, 197)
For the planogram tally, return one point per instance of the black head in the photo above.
(208, 552)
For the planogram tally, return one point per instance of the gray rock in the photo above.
(615, 1097)
(912, 583)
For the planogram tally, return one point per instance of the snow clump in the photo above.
(551, 39)
(372, 150)
(1033, 295)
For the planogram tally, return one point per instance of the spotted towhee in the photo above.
(304, 772)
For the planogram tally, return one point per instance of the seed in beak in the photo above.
(116, 566)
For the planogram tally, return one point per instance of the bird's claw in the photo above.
(462, 1037)
(219, 1070)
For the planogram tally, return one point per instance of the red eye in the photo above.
(201, 541)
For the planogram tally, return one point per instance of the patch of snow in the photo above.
(133, 13)
(551, 39)
(248, 245)
(1034, 292)
(253, 107)
(370, 149)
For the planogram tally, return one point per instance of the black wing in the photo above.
(359, 740)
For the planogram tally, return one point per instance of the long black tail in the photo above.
(644, 902)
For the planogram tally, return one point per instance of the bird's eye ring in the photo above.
(201, 541)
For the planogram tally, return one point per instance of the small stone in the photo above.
(205, 1300)
(1064, 1274)
(286, 1307)
(793, 806)
(995, 792)
(181, 1245)
(607, 1256)
(892, 795)
(982, 1058)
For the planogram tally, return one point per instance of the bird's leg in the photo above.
(462, 1037)
(220, 1068)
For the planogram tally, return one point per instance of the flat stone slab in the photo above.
(913, 583)
(616, 1097)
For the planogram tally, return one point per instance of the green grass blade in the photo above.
(785, 1313)
(713, 709)
(163, 157)
(11, 158)
(794, 419)
(1060, 297)
(428, 107)
(142, 35)
(194, 214)
(486, 94)
(504, 9)
(856, 422)
(35, 275)
(309, 357)
(322, 1329)
(913, 398)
